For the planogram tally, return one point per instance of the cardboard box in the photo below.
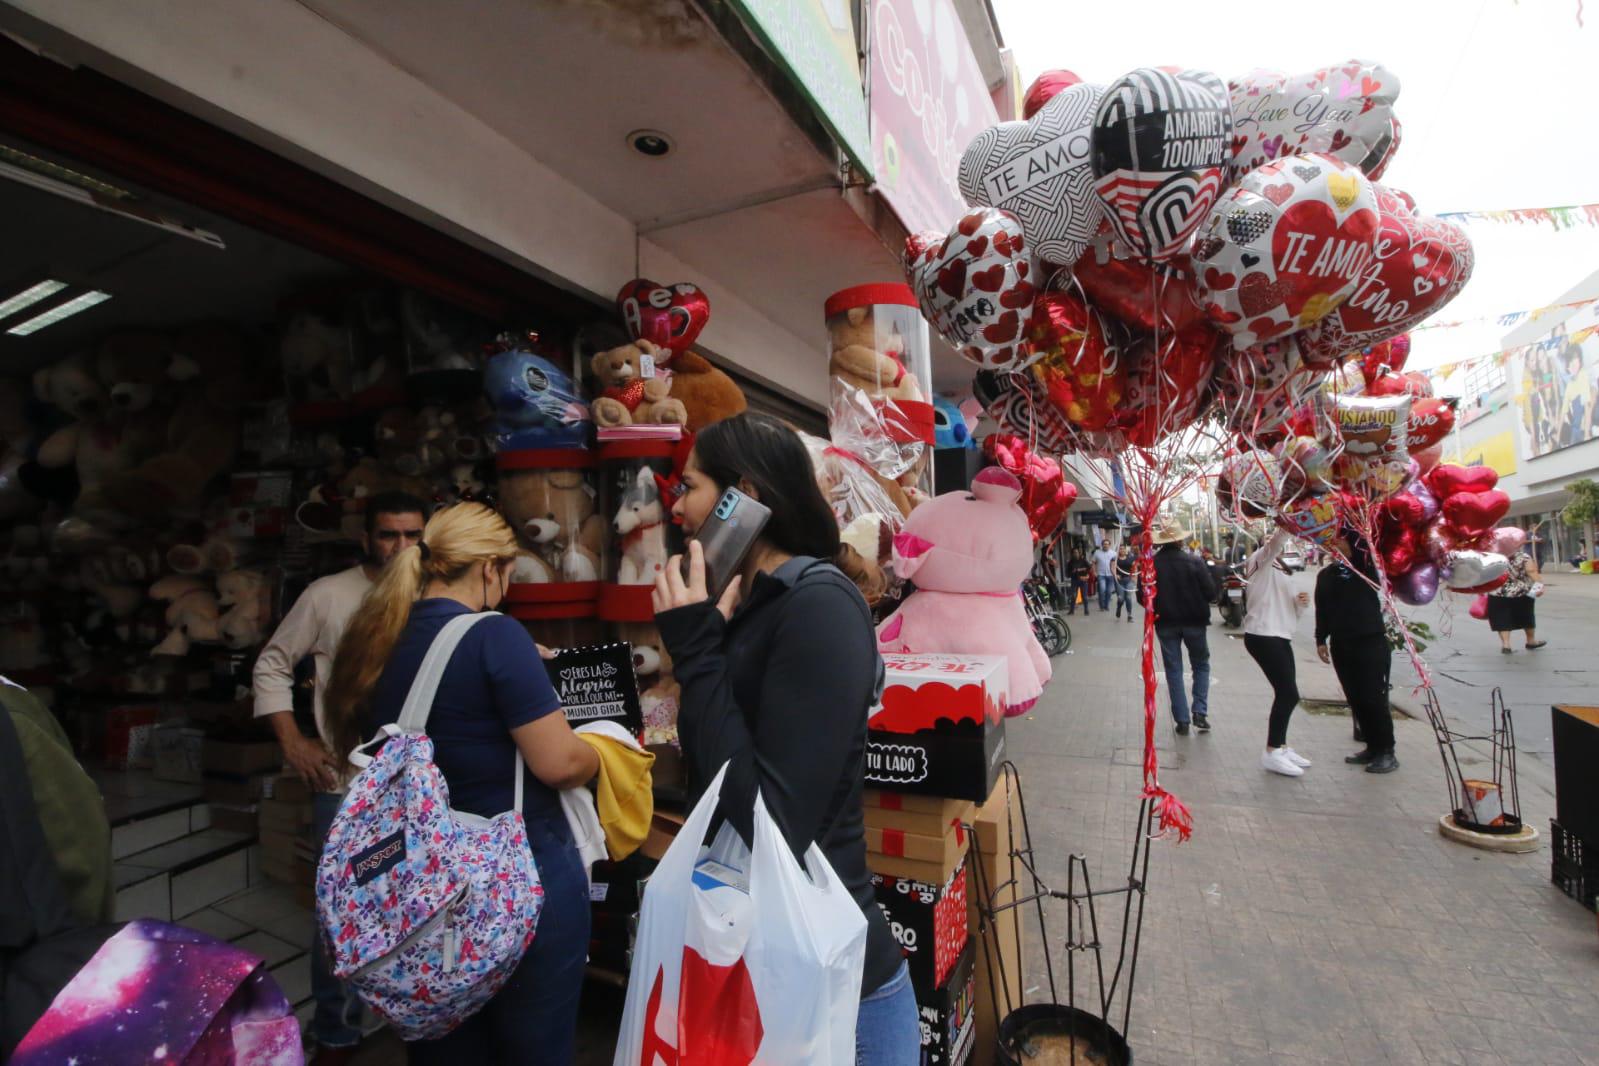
(285, 817)
(936, 823)
(948, 1019)
(175, 753)
(990, 866)
(1576, 746)
(235, 758)
(929, 921)
(127, 736)
(290, 788)
(940, 730)
(933, 859)
(235, 791)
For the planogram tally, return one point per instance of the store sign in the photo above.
(928, 102)
(1553, 382)
(814, 42)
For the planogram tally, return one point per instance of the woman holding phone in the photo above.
(778, 676)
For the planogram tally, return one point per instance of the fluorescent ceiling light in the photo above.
(29, 297)
(56, 314)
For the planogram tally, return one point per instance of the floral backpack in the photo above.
(426, 911)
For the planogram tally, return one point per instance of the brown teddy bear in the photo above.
(658, 689)
(706, 393)
(860, 358)
(631, 392)
(397, 438)
(554, 514)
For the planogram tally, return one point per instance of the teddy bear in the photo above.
(71, 386)
(631, 392)
(878, 409)
(215, 554)
(397, 439)
(706, 393)
(208, 370)
(192, 615)
(245, 596)
(465, 486)
(640, 521)
(968, 553)
(314, 350)
(107, 438)
(554, 513)
(659, 691)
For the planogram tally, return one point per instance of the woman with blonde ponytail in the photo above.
(493, 699)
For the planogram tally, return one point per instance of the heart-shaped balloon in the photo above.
(1471, 570)
(1345, 111)
(1404, 510)
(1307, 465)
(1148, 296)
(1283, 247)
(1417, 586)
(669, 316)
(1039, 170)
(1400, 555)
(1020, 404)
(1167, 389)
(1431, 420)
(1439, 542)
(1412, 383)
(1428, 458)
(1447, 479)
(1252, 485)
(1045, 88)
(1161, 144)
(1423, 495)
(1388, 356)
(1419, 263)
(975, 287)
(1260, 387)
(1315, 518)
(1081, 366)
(1507, 540)
(1046, 494)
(1472, 514)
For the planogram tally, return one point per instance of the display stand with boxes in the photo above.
(940, 728)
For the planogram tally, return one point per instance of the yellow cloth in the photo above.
(624, 793)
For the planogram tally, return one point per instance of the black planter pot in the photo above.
(1050, 1019)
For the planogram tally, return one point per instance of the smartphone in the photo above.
(726, 538)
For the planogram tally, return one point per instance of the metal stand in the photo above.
(1502, 738)
(1025, 887)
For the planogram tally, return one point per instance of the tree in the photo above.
(1583, 510)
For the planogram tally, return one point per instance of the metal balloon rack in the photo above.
(1090, 1036)
(1491, 806)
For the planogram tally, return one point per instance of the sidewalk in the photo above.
(1312, 920)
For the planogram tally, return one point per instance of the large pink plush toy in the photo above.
(968, 553)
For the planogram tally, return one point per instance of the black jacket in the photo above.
(781, 694)
(1346, 606)
(1184, 588)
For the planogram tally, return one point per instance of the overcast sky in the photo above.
(1497, 103)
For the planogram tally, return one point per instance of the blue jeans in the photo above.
(888, 1030)
(1124, 597)
(337, 1020)
(1106, 586)
(1172, 639)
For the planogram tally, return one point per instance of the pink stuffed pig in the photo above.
(968, 553)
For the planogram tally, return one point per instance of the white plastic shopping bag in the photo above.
(743, 956)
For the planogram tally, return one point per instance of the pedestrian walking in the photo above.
(493, 701)
(1269, 626)
(1184, 590)
(1351, 636)
(1105, 573)
(1126, 570)
(1512, 606)
(777, 680)
(312, 628)
(1081, 574)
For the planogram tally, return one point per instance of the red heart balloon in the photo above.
(1447, 479)
(670, 316)
(1389, 356)
(1405, 511)
(1045, 87)
(1083, 368)
(1431, 419)
(1419, 264)
(1474, 514)
(1414, 383)
(1401, 555)
(1134, 292)
(1165, 390)
(1046, 494)
(1428, 458)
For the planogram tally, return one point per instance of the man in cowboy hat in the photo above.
(1184, 590)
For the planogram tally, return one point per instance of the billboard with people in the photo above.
(1556, 385)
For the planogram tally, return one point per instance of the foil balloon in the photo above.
(1166, 389)
(1161, 144)
(1345, 111)
(1307, 465)
(1447, 479)
(1019, 404)
(1417, 586)
(1413, 383)
(1507, 540)
(1475, 571)
(1372, 429)
(1424, 496)
(1253, 484)
(1431, 420)
(1046, 494)
(975, 287)
(669, 316)
(1419, 263)
(1314, 518)
(1472, 515)
(1038, 169)
(1081, 366)
(1283, 247)
(1428, 458)
(1404, 510)
(1401, 553)
(1045, 88)
(1388, 356)
(1439, 542)
(1479, 608)
(1261, 386)
(1150, 296)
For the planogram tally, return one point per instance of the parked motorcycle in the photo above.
(1232, 599)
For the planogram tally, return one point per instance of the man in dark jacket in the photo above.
(1184, 590)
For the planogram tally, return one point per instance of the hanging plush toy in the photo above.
(968, 553)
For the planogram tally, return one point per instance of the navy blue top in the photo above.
(494, 683)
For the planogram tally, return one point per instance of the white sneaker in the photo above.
(1278, 762)
(1294, 757)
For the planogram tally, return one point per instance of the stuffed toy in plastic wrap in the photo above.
(968, 553)
(536, 404)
